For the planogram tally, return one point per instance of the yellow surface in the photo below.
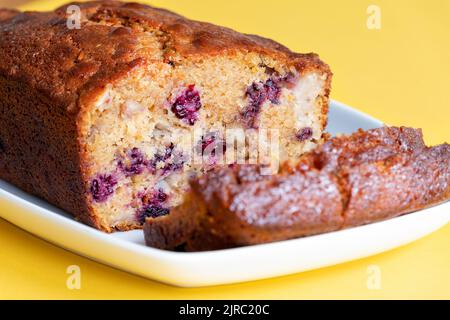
(399, 74)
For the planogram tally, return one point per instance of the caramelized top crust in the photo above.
(39, 48)
(6, 14)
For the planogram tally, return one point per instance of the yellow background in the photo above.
(399, 74)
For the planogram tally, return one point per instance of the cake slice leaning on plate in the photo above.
(102, 121)
(348, 181)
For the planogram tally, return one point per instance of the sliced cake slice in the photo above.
(347, 181)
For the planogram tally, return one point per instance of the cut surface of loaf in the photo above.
(105, 121)
(348, 181)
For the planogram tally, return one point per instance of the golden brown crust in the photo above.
(64, 69)
(347, 181)
(39, 49)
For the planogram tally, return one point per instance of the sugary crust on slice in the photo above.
(347, 181)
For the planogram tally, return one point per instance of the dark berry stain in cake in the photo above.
(206, 142)
(272, 91)
(153, 205)
(161, 157)
(102, 187)
(211, 145)
(167, 161)
(172, 167)
(177, 163)
(256, 94)
(134, 163)
(259, 92)
(168, 152)
(154, 197)
(187, 104)
(304, 134)
(152, 211)
(256, 97)
(160, 196)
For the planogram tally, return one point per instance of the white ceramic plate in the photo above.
(125, 250)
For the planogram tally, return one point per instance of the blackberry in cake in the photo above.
(104, 121)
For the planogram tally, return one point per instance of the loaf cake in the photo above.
(104, 121)
(347, 181)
